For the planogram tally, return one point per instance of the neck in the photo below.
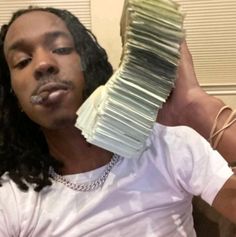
(70, 147)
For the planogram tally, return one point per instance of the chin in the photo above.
(62, 122)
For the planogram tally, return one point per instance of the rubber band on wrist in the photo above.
(217, 135)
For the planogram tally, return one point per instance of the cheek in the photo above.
(22, 89)
(81, 86)
(78, 76)
(78, 95)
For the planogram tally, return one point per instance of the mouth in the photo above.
(50, 93)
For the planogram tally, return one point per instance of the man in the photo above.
(49, 65)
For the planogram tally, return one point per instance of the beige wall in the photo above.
(105, 25)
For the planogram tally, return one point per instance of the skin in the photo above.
(37, 55)
(36, 58)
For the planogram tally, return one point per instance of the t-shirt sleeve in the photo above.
(190, 161)
(202, 171)
(216, 176)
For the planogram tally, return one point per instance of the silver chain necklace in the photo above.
(89, 186)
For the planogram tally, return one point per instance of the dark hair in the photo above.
(24, 153)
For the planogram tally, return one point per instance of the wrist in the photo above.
(200, 114)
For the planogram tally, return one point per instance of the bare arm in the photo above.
(225, 200)
(190, 105)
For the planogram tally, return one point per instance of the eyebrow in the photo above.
(48, 38)
(51, 36)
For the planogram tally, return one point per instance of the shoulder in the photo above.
(175, 149)
(9, 212)
(15, 206)
(198, 168)
(178, 137)
(11, 195)
(183, 145)
(177, 131)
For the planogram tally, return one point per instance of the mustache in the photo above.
(46, 80)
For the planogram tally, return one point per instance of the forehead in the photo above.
(32, 25)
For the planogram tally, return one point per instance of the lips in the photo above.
(50, 93)
(52, 86)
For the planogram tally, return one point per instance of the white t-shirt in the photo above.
(143, 197)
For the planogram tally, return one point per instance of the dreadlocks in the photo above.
(24, 153)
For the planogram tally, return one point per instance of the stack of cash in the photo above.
(120, 115)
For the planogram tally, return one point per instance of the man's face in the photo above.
(45, 69)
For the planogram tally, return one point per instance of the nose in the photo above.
(45, 65)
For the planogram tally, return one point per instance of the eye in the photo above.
(22, 63)
(63, 50)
